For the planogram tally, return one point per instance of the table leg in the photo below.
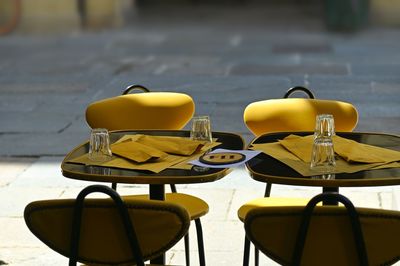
(157, 192)
(330, 189)
(267, 190)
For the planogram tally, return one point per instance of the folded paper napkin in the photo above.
(353, 151)
(155, 166)
(136, 151)
(142, 152)
(349, 150)
(295, 151)
(171, 145)
(299, 146)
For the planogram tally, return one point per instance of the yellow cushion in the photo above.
(329, 238)
(159, 225)
(269, 202)
(150, 110)
(196, 207)
(297, 114)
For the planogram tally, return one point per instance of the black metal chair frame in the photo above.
(299, 88)
(122, 210)
(305, 222)
(354, 220)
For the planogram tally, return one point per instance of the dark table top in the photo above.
(266, 169)
(167, 176)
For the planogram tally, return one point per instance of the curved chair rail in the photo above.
(135, 87)
(299, 88)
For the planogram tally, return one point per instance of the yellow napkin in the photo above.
(281, 154)
(184, 163)
(122, 163)
(349, 150)
(353, 151)
(171, 145)
(299, 146)
(295, 151)
(136, 151)
(156, 166)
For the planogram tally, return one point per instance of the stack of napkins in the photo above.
(152, 153)
(295, 151)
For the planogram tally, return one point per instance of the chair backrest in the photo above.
(102, 235)
(147, 110)
(297, 114)
(330, 238)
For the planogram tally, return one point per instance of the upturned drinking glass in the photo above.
(99, 145)
(323, 153)
(201, 128)
(324, 126)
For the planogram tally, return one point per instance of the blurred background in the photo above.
(41, 16)
(58, 56)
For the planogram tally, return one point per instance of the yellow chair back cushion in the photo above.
(329, 240)
(151, 110)
(297, 114)
(158, 225)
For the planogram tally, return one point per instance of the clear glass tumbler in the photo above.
(323, 153)
(99, 146)
(201, 128)
(324, 126)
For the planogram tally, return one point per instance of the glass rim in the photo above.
(99, 130)
(200, 117)
(325, 116)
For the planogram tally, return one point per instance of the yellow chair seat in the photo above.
(196, 207)
(269, 202)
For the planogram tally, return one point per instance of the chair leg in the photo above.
(256, 251)
(173, 188)
(267, 190)
(187, 250)
(246, 256)
(246, 252)
(256, 256)
(200, 242)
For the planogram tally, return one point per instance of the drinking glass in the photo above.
(99, 146)
(324, 126)
(201, 128)
(323, 154)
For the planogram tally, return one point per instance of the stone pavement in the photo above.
(225, 58)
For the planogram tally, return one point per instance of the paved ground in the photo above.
(224, 57)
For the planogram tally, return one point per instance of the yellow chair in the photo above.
(296, 114)
(292, 115)
(152, 110)
(107, 232)
(325, 235)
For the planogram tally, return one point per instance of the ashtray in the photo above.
(222, 158)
